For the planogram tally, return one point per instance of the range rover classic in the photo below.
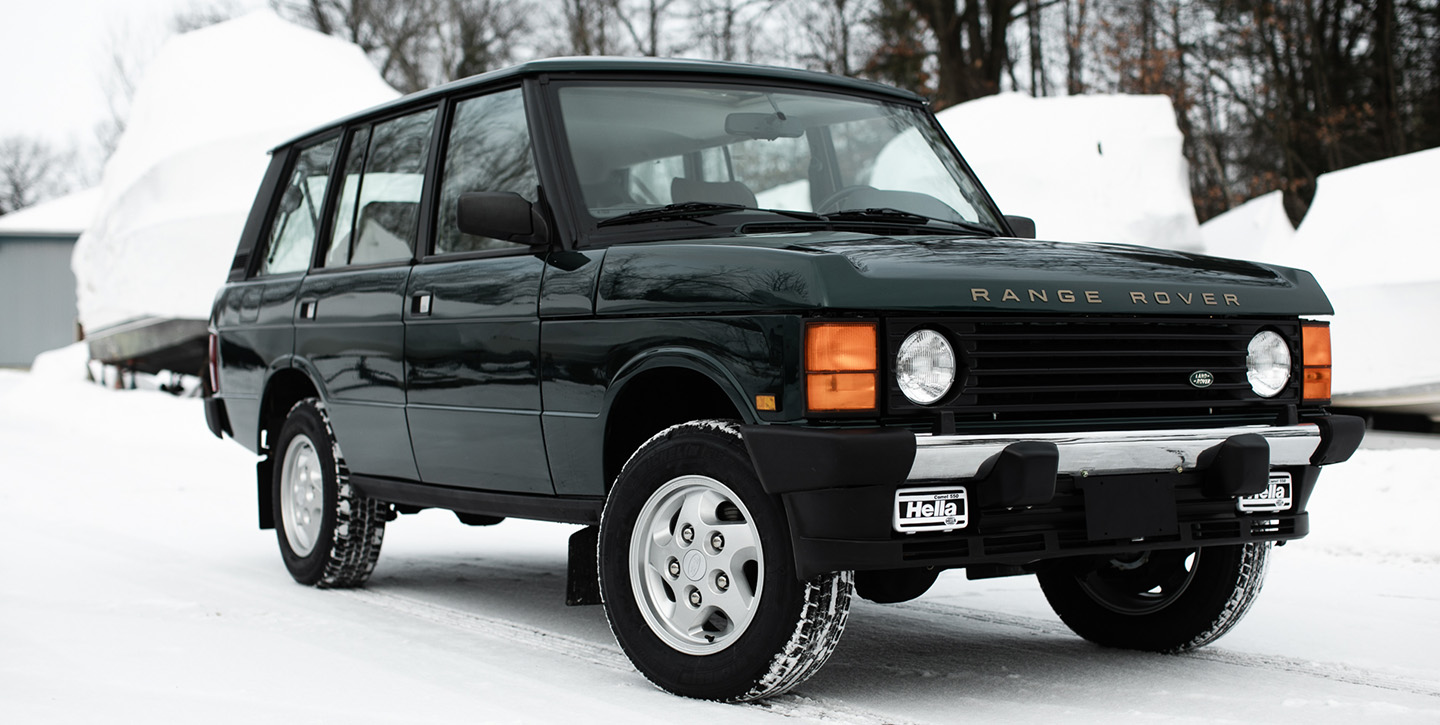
(764, 335)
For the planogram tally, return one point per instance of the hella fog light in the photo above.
(925, 367)
(1267, 363)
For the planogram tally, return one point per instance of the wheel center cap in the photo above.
(694, 565)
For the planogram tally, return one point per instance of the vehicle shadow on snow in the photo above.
(929, 654)
(916, 652)
(482, 576)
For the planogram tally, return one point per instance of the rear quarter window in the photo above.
(291, 237)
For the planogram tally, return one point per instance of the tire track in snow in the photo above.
(790, 705)
(1333, 671)
(573, 647)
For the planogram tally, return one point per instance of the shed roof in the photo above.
(68, 215)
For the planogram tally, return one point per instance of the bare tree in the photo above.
(31, 171)
(1076, 38)
(902, 47)
(730, 29)
(198, 16)
(588, 28)
(393, 34)
(644, 22)
(480, 36)
(828, 30)
(972, 50)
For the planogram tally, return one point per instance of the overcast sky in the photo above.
(56, 54)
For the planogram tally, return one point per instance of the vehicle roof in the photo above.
(601, 65)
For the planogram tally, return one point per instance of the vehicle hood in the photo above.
(841, 270)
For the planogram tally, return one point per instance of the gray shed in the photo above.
(37, 288)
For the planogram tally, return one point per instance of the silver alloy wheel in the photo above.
(697, 597)
(302, 495)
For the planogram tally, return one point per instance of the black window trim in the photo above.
(337, 171)
(262, 244)
(437, 157)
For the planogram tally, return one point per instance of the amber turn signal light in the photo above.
(1316, 341)
(840, 366)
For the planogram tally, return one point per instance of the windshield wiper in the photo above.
(681, 210)
(887, 214)
(695, 210)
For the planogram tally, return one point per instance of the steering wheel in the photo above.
(834, 202)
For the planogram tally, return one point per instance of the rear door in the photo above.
(255, 317)
(473, 332)
(349, 323)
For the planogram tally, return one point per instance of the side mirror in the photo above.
(1022, 226)
(501, 215)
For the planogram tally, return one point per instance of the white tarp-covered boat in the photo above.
(176, 193)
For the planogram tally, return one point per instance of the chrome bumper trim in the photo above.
(1099, 453)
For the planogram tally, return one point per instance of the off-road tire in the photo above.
(792, 627)
(342, 550)
(1111, 601)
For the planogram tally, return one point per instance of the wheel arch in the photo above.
(285, 387)
(661, 389)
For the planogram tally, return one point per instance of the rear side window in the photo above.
(489, 150)
(378, 214)
(292, 230)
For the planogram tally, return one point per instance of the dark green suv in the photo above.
(768, 338)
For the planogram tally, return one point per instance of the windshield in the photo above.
(642, 147)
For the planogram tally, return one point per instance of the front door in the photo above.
(472, 346)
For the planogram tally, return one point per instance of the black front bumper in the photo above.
(1038, 497)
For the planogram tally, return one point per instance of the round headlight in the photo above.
(1267, 363)
(925, 367)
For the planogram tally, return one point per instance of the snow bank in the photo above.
(67, 215)
(1370, 239)
(1372, 224)
(1086, 168)
(1253, 230)
(176, 193)
(65, 364)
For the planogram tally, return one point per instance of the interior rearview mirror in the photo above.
(290, 200)
(768, 126)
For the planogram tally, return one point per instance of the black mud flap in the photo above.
(582, 579)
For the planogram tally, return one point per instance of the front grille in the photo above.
(1103, 366)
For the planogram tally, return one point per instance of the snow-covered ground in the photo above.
(136, 588)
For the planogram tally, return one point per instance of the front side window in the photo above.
(638, 148)
(292, 230)
(488, 150)
(378, 214)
